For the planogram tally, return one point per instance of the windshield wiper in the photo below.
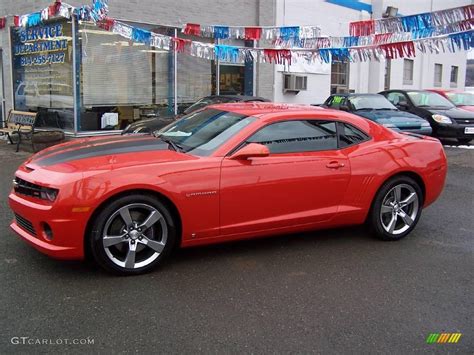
(385, 109)
(364, 108)
(177, 147)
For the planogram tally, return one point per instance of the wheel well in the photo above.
(415, 177)
(172, 207)
(409, 174)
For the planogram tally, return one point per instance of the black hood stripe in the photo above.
(79, 144)
(89, 151)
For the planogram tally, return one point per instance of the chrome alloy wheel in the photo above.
(399, 209)
(134, 235)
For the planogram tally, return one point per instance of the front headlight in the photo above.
(29, 189)
(49, 194)
(442, 119)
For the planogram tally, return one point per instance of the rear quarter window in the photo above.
(350, 135)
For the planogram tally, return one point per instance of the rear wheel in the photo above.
(396, 208)
(132, 234)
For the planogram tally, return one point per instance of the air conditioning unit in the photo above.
(294, 83)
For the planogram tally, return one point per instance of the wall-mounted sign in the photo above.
(42, 66)
(41, 45)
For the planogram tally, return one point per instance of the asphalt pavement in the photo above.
(333, 292)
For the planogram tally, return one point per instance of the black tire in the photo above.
(464, 141)
(140, 207)
(379, 221)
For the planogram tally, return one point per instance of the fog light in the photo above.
(47, 231)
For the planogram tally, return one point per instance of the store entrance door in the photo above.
(2, 93)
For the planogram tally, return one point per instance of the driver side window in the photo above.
(297, 136)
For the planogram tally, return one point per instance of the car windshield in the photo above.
(429, 99)
(202, 132)
(371, 102)
(461, 99)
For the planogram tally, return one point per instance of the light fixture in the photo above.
(390, 12)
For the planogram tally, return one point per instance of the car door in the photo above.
(302, 181)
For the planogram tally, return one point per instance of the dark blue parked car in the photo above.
(377, 108)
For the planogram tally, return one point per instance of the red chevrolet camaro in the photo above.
(225, 173)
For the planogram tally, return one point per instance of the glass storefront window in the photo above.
(107, 81)
(194, 76)
(231, 79)
(121, 81)
(42, 73)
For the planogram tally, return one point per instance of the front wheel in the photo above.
(132, 234)
(396, 208)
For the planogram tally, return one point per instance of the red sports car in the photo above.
(225, 173)
(461, 99)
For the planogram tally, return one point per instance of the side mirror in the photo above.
(251, 150)
(403, 105)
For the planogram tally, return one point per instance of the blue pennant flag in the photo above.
(463, 40)
(221, 32)
(351, 41)
(227, 53)
(416, 22)
(329, 54)
(142, 36)
(287, 33)
(34, 19)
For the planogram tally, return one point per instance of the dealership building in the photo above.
(92, 73)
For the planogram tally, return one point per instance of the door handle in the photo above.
(334, 165)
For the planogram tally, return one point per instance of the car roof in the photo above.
(237, 97)
(407, 90)
(356, 94)
(272, 110)
(261, 108)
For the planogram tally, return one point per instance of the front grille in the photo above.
(463, 121)
(26, 188)
(25, 224)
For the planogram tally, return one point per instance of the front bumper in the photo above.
(454, 130)
(67, 229)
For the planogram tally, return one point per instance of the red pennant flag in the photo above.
(3, 22)
(16, 21)
(382, 38)
(362, 28)
(192, 29)
(398, 50)
(253, 33)
(278, 56)
(107, 23)
(180, 44)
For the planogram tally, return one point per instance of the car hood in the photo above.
(456, 113)
(398, 118)
(468, 108)
(104, 153)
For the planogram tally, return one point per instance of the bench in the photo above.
(21, 125)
